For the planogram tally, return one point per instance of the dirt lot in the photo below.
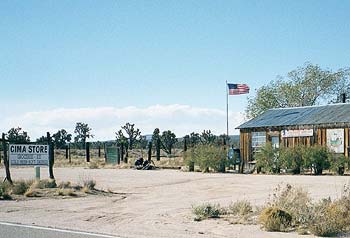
(156, 203)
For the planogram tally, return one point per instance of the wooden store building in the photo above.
(326, 125)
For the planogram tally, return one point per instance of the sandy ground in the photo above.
(157, 203)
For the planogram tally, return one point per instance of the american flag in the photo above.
(236, 89)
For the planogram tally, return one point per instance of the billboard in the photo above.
(28, 154)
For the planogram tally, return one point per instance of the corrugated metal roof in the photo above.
(301, 116)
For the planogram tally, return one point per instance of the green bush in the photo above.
(292, 158)
(275, 219)
(206, 211)
(338, 162)
(209, 157)
(267, 159)
(317, 158)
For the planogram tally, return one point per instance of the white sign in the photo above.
(298, 133)
(28, 154)
(335, 140)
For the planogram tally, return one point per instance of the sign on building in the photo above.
(28, 154)
(297, 133)
(335, 140)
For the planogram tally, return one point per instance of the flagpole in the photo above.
(226, 109)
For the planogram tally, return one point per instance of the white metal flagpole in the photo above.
(226, 108)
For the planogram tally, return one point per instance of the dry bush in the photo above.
(275, 219)
(66, 192)
(206, 211)
(329, 219)
(5, 189)
(64, 185)
(93, 165)
(21, 186)
(293, 200)
(241, 208)
(45, 183)
(32, 191)
(87, 184)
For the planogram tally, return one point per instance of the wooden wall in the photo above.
(245, 145)
(319, 138)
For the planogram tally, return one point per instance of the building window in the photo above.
(258, 140)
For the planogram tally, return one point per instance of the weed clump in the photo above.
(21, 186)
(293, 200)
(5, 188)
(241, 208)
(275, 219)
(206, 211)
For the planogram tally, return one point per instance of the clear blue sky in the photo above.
(77, 54)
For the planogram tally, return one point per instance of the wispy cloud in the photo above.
(105, 121)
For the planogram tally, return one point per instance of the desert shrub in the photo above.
(337, 162)
(293, 200)
(241, 208)
(45, 183)
(329, 218)
(64, 185)
(267, 159)
(275, 219)
(93, 165)
(66, 192)
(5, 188)
(292, 158)
(88, 184)
(317, 158)
(32, 190)
(21, 186)
(206, 211)
(209, 156)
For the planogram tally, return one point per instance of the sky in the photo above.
(154, 63)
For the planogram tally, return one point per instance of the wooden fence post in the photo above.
(158, 149)
(66, 151)
(6, 160)
(69, 155)
(149, 151)
(118, 155)
(105, 151)
(87, 148)
(51, 155)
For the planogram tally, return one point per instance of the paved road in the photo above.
(10, 230)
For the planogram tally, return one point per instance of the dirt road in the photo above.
(156, 203)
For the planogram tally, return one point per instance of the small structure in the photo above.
(322, 125)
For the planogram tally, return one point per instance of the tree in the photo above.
(168, 139)
(207, 137)
(17, 135)
(156, 142)
(60, 138)
(83, 132)
(42, 139)
(133, 134)
(306, 86)
(194, 139)
(122, 142)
